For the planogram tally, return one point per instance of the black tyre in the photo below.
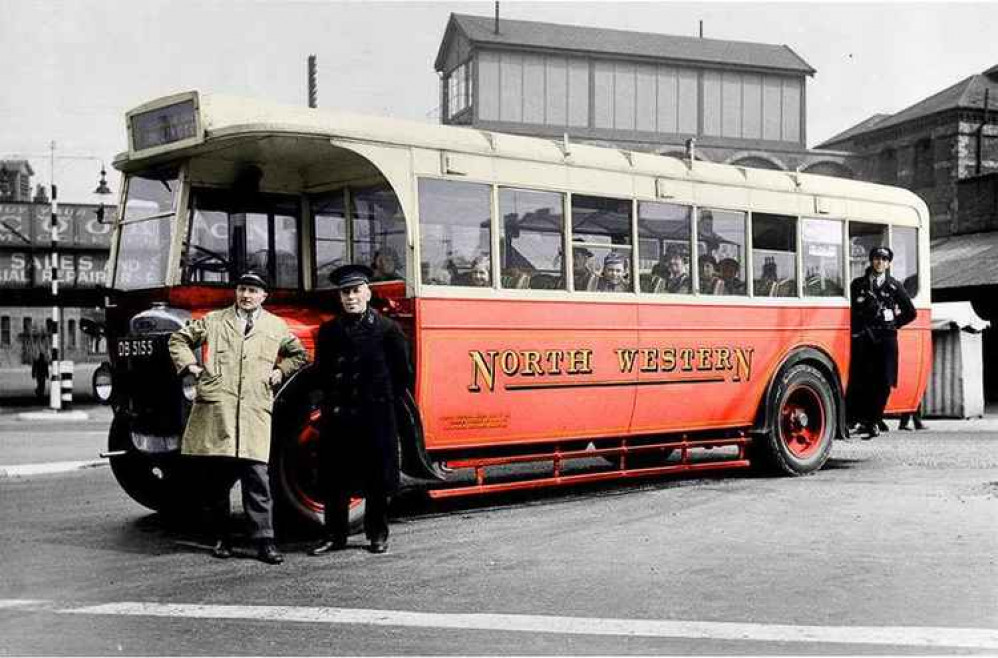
(152, 481)
(803, 422)
(294, 470)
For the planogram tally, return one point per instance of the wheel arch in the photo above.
(820, 359)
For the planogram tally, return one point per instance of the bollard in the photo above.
(66, 384)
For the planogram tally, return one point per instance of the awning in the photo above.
(965, 260)
(957, 315)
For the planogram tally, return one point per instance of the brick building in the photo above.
(744, 103)
(945, 149)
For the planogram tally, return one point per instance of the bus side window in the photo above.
(602, 244)
(531, 238)
(774, 255)
(378, 235)
(904, 267)
(455, 233)
(862, 238)
(664, 234)
(722, 261)
(821, 240)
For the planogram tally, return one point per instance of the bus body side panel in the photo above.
(495, 372)
(914, 364)
(709, 366)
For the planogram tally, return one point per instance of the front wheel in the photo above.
(150, 480)
(295, 476)
(803, 422)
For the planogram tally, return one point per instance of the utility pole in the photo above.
(56, 395)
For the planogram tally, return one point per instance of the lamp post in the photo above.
(61, 373)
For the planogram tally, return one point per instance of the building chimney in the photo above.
(497, 17)
(701, 28)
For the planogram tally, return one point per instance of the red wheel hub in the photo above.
(303, 472)
(802, 422)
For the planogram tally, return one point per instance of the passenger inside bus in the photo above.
(733, 285)
(479, 274)
(673, 272)
(710, 282)
(613, 277)
(384, 265)
(584, 269)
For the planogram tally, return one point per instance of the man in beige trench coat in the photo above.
(249, 353)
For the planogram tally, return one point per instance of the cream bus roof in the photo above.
(230, 116)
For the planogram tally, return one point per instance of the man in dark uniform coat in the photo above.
(363, 368)
(880, 306)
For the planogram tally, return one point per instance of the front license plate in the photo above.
(132, 347)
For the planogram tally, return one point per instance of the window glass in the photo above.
(150, 197)
(664, 234)
(71, 334)
(230, 234)
(821, 240)
(601, 251)
(5, 331)
(379, 232)
(330, 227)
(774, 255)
(455, 235)
(862, 238)
(458, 90)
(142, 254)
(721, 251)
(904, 267)
(533, 226)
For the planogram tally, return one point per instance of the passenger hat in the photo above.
(613, 258)
(348, 276)
(882, 252)
(253, 278)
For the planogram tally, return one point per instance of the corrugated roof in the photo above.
(965, 260)
(554, 36)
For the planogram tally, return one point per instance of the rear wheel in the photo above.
(803, 422)
(150, 480)
(295, 477)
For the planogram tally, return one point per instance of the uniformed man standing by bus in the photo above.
(250, 352)
(362, 363)
(880, 306)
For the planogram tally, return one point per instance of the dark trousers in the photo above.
(338, 514)
(218, 475)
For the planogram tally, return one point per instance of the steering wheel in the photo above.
(208, 261)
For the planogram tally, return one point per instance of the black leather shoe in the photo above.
(329, 546)
(882, 426)
(222, 549)
(869, 431)
(379, 546)
(268, 553)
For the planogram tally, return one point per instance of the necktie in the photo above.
(249, 325)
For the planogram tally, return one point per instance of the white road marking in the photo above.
(899, 636)
(16, 603)
(45, 468)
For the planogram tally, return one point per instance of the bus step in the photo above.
(558, 457)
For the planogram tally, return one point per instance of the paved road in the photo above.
(890, 550)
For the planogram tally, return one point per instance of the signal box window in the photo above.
(533, 228)
(601, 244)
(821, 240)
(774, 255)
(455, 233)
(721, 252)
(144, 234)
(664, 232)
(862, 238)
(904, 267)
(230, 234)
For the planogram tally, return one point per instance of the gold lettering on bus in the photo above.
(537, 364)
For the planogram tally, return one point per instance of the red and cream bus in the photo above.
(597, 312)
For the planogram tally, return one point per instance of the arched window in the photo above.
(924, 163)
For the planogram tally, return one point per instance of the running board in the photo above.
(558, 457)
